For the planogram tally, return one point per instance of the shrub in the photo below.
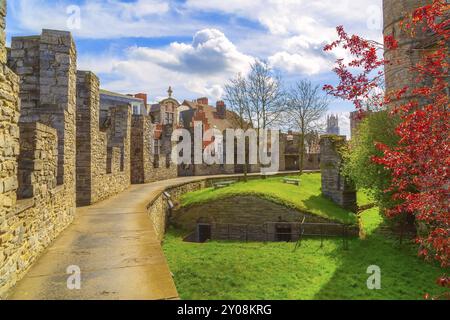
(378, 127)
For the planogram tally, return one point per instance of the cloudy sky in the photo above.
(197, 45)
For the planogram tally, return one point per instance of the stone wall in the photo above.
(37, 160)
(45, 66)
(102, 155)
(9, 150)
(163, 167)
(243, 210)
(141, 149)
(334, 185)
(411, 48)
(2, 31)
(158, 210)
(258, 221)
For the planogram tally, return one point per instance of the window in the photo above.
(168, 160)
(157, 147)
(169, 118)
(136, 110)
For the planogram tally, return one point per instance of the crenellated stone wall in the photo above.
(163, 167)
(3, 53)
(46, 65)
(33, 209)
(334, 185)
(37, 160)
(102, 157)
(142, 170)
(9, 150)
(40, 217)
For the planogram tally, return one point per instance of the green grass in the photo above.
(364, 198)
(308, 197)
(232, 270)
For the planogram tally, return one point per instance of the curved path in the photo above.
(115, 247)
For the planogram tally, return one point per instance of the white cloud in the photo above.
(287, 17)
(200, 67)
(209, 53)
(302, 27)
(101, 19)
(298, 63)
(288, 33)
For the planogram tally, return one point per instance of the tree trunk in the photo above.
(302, 154)
(245, 169)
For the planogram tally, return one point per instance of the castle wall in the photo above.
(9, 150)
(142, 170)
(398, 69)
(3, 54)
(103, 157)
(334, 185)
(37, 186)
(46, 65)
(163, 167)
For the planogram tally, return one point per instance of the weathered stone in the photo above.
(103, 157)
(334, 185)
(45, 155)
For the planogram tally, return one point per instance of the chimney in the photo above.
(142, 96)
(203, 100)
(221, 109)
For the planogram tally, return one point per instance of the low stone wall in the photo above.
(159, 210)
(229, 213)
(242, 210)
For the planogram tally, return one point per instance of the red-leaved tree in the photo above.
(420, 163)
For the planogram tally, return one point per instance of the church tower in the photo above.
(333, 125)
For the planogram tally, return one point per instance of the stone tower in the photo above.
(333, 125)
(411, 48)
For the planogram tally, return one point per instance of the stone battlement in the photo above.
(103, 154)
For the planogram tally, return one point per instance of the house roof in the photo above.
(119, 95)
(211, 115)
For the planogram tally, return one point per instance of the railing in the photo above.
(276, 232)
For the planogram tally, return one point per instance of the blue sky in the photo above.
(197, 45)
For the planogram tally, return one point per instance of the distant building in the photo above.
(110, 99)
(192, 113)
(291, 151)
(333, 125)
(166, 111)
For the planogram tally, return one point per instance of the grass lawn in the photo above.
(307, 197)
(232, 270)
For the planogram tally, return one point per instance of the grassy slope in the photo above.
(230, 270)
(307, 197)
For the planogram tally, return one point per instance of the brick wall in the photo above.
(334, 185)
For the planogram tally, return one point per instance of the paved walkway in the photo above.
(115, 246)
